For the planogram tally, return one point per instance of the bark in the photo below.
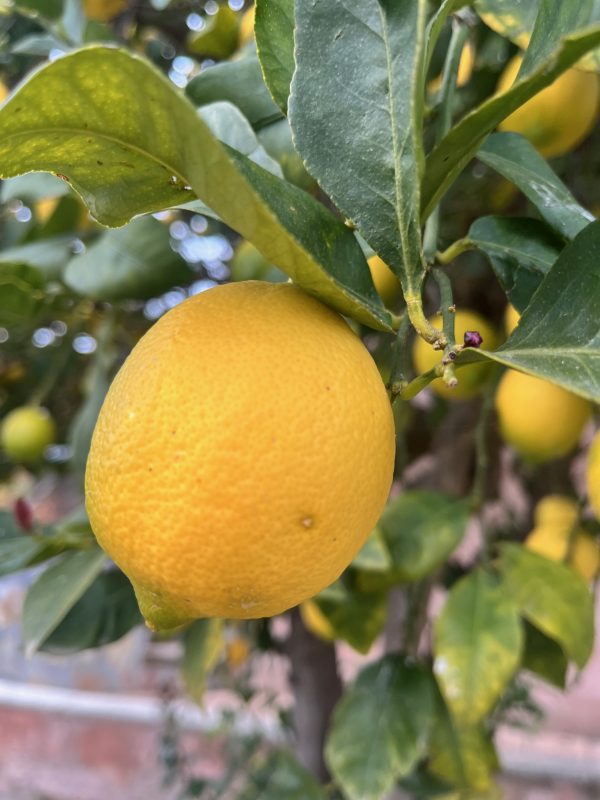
(317, 688)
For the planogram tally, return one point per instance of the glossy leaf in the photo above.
(552, 597)
(477, 645)
(355, 111)
(516, 159)
(374, 555)
(543, 657)
(280, 777)
(463, 756)
(520, 250)
(380, 728)
(240, 83)
(458, 147)
(274, 33)
(56, 591)
(136, 145)
(421, 529)
(203, 642)
(357, 618)
(561, 341)
(436, 25)
(134, 262)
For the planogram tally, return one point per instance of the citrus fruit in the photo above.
(26, 432)
(103, 10)
(247, 26)
(242, 456)
(593, 475)
(387, 284)
(44, 208)
(555, 517)
(471, 378)
(4, 91)
(316, 622)
(559, 117)
(237, 651)
(540, 420)
(511, 319)
(248, 264)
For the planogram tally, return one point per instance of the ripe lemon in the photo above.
(103, 10)
(4, 91)
(242, 456)
(540, 420)
(387, 284)
(471, 378)
(247, 26)
(511, 319)
(237, 651)
(593, 475)
(26, 432)
(558, 118)
(316, 622)
(555, 517)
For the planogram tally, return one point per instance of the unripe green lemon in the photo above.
(593, 475)
(471, 378)
(26, 432)
(540, 420)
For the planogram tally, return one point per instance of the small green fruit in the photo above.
(26, 432)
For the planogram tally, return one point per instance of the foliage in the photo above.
(322, 144)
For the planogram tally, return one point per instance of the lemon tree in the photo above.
(251, 256)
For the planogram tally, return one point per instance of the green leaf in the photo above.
(55, 592)
(357, 618)
(203, 642)
(477, 645)
(463, 756)
(558, 336)
(516, 159)
(32, 187)
(274, 32)
(135, 145)
(103, 614)
(421, 529)
(521, 252)
(366, 150)
(544, 657)
(18, 552)
(277, 141)
(280, 777)
(436, 25)
(48, 256)
(21, 293)
(374, 555)
(134, 262)
(458, 147)
(240, 83)
(552, 597)
(380, 728)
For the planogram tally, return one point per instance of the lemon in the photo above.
(44, 208)
(4, 91)
(237, 651)
(540, 420)
(593, 475)
(316, 622)
(247, 26)
(559, 117)
(387, 284)
(242, 456)
(555, 517)
(103, 10)
(26, 432)
(471, 378)
(511, 319)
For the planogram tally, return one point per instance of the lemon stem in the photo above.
(414, 307)
(455, 250)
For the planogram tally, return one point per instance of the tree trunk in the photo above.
(317, 688)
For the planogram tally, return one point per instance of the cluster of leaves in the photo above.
(348, 83)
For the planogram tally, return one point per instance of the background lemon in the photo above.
(471, 378)
(242, 456)
(387, 284)
(539, 419)
(103, 10)
(511, 319)
(247, 26)
(465, 69)
(316, 622)
(559, 117)
(26, 432)
(555, 517)
(593, 475)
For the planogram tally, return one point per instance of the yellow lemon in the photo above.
(387, 284)
(4, 91)
(540, 420)
(103, 10)
(44, 208)
(26, 432)
(465, 69)
(316, 622)
(471, 378)
(237, 651)
(555, 517)
(247, 26)
(593, 475)
(559, 117)
(242, 456)
(511, 319)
